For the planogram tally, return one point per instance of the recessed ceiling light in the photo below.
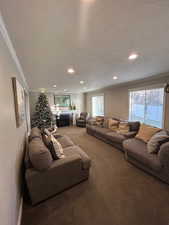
(115, 78)
(54, 86)
(133, 56)
(82, 82)
(71, 71)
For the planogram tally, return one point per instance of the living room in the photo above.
(84, 112)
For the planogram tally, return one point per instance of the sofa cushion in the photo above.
(138, 150)
(91, 127)
(116, 137)
(146, 132)
(69, 151)
(156, 141)
(65, 141)
(101, 130)
(35, 133)
(123, 127)
(134, 125)
(80, 120)
(39, 155)
(130, 134)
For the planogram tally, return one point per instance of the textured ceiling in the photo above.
(93, 36)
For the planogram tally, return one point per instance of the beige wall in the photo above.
(77, 99)
(11, 141)
(117, 100)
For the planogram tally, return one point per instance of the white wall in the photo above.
(116, 98)
(11, 140)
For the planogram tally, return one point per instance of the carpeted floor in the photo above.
(116, 193)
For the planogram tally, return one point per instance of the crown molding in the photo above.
(12, 51)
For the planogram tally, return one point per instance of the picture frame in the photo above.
(63, 101)
(19, 101)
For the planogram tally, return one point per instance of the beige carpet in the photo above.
(116, 193)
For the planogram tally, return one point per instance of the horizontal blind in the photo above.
(147, 106)
(98, 105)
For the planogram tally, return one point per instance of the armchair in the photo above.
(81, 121)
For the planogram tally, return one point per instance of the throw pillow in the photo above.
(56, 149)
(46, 140)
(146, 132)
(99, 120)
(113, 124)
(123, 127)
(47, 132)
(156, 141)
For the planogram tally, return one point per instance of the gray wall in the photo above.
(12, 141)
(117, 100)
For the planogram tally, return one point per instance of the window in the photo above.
(147, 106)
(98, 105)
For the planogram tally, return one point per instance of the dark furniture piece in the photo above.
(81, 121)
(156, 164)
(46, 177)
(64, 119)
(109, 136)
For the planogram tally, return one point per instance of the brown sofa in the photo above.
(46, 177)
(136, 152)
(156, 164)
(109, 136)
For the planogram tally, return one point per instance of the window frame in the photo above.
(98, 95)
(150, 87)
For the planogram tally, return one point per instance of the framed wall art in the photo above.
(19, 101)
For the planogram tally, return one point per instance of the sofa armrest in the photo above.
(61, 174)
(163, 155)
(130, 134)
(91, 121)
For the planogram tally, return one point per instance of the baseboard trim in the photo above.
(20, 212)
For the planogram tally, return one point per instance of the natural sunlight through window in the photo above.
(147, 106)
(98, 105)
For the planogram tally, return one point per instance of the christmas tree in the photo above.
(42, 117)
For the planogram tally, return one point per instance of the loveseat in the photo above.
(111, 137)
(157, 164)
(46, 177)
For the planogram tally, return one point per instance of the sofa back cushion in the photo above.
(123, 127)
(39, 155)
(146, 132)
(134, 126)
(35, 133)
(153, 146)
